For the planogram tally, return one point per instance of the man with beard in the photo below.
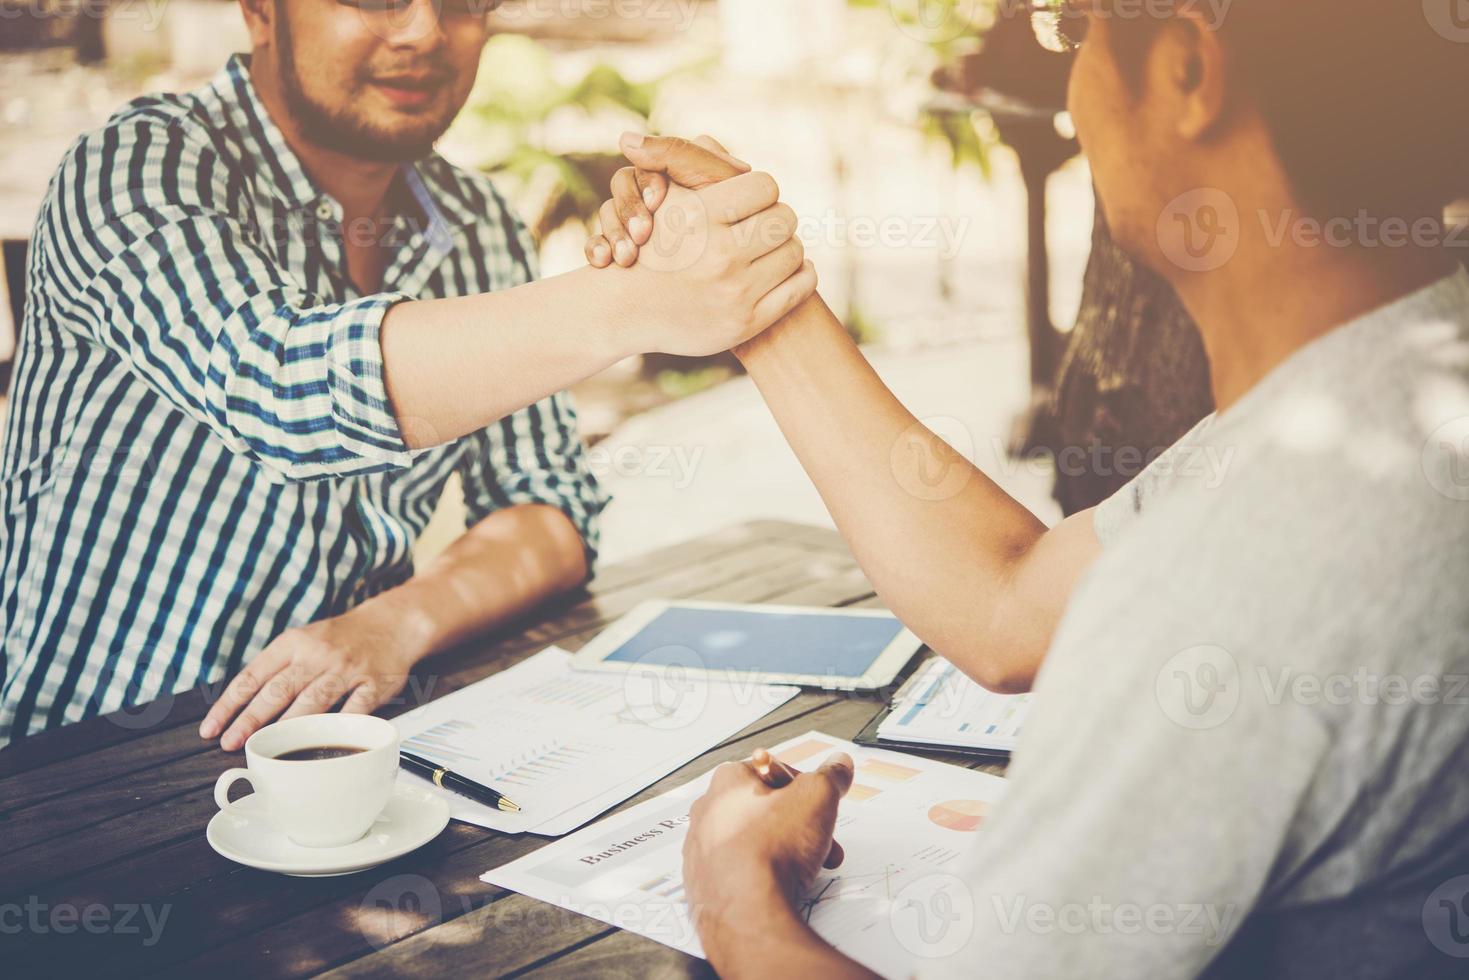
(265, 325)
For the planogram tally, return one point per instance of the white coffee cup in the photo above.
(319, 802)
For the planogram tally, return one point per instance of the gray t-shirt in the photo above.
(1248, 752)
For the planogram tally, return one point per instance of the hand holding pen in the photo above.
(778, 775)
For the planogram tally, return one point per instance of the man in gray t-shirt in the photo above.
(1273, 639)
(1246, 751)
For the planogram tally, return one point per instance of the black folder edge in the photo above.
(867, 737)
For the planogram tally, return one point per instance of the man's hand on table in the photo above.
(750, 857)
(359, 659)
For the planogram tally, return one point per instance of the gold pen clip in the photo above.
(439, 777)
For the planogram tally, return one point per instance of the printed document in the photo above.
(567, 746)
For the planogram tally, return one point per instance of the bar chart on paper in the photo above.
(941, 706)
(566, 746)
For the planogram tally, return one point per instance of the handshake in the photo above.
(720, 263)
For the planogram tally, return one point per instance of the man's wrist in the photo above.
(617, 322)
(767, 344)
(763, 919)
(404, 612)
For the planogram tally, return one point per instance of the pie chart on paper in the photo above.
(964, 816)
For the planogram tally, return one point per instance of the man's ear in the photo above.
(260, 20)
(1190, 63)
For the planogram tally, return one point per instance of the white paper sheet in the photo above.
(567, 746)
(942, 707)
(904, 824)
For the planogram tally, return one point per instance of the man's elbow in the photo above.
(996, 667)
(569, 555)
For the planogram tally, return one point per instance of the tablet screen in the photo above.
(779, 643)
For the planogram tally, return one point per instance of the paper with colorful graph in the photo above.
(905, 823)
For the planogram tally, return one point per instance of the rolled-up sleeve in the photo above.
(162, 274)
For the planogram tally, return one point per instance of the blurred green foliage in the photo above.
(514, 100)
(950, 29)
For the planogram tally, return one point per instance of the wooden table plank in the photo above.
(731, 576)
(105, 815)
(528, 946)
(233, 901)
(620, 954)
(454, 884)
(104, 730)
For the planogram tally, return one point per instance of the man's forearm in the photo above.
(454, 366)
(506, 564)
(938, 539)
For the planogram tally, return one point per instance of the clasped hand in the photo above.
(721, 263)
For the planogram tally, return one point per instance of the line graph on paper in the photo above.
(550, 762)
(839, 888)
(531, 764)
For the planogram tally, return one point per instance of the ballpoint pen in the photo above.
(441, 776)
(772, 771)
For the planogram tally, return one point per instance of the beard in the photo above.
(340, 130)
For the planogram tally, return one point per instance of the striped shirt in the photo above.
(200, 453)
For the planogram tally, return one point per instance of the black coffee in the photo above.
(318, 752)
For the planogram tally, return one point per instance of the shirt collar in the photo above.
(437, 179)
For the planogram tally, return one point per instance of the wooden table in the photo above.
(102, 823)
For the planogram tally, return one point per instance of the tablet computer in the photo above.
(836, 649)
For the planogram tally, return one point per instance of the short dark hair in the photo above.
(1368, 104)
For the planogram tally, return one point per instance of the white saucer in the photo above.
(412, 818)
